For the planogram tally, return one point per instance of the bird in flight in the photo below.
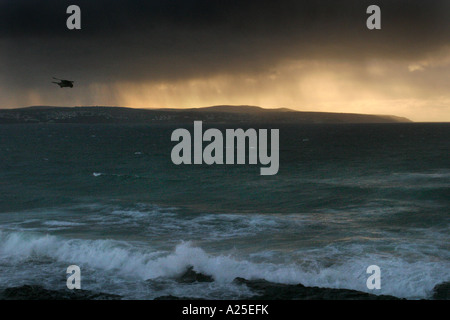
(63, 83)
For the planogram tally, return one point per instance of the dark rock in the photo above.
(266, 290)
(441, 291)
(170, 297)
(190, 276)
(33, 292)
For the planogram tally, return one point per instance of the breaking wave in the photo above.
(401, 278)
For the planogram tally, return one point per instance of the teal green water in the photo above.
(109, 199)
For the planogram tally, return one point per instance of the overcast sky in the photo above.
(305, 55)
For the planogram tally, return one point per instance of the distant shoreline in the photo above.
(215, 114)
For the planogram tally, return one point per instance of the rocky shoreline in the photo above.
(35, 292)
(263, 290)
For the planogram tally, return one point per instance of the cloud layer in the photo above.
(315, 55)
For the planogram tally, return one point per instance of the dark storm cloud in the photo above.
(129, 41)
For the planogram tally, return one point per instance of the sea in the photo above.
(107, 198)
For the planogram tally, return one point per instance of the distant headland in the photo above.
(214, 114)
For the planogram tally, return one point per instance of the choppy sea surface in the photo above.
(109, 199)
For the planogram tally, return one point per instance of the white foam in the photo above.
(400, 277)
(62, 223)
